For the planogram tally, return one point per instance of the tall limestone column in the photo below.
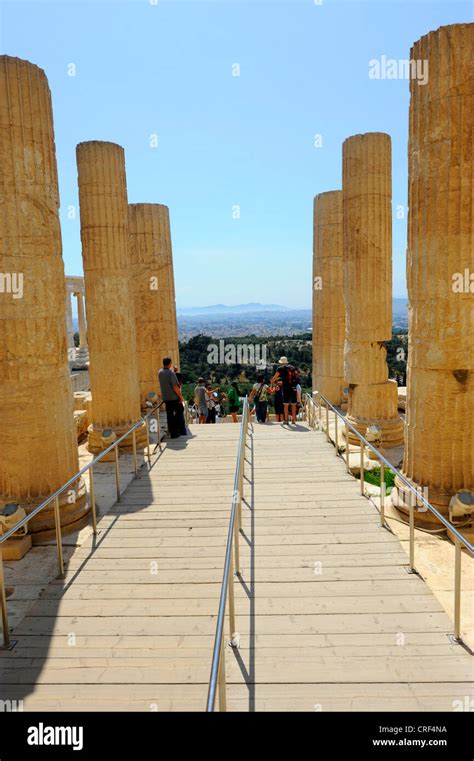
(82, 355)
(169, 292)
(109, 293)
(38, 448)
(152, 275)
(439, 441)
(367, 240)
(328, 296)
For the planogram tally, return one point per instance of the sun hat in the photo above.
(283, 361)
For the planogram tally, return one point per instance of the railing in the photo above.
(217, 676)
(313, 414)
(55, 498)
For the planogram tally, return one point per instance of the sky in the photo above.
(233, 114)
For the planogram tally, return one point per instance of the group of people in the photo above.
(210, 402)
(286, 390)
(284, 386)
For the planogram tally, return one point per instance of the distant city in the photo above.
(221, 320)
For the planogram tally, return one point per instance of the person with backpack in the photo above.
(288, 375)
(260, 393)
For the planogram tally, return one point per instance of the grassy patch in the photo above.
(373, 477)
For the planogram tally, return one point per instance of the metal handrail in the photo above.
(218, 658)
(55, 496)
(459, 539)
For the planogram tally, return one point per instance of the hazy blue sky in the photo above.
(165, 69)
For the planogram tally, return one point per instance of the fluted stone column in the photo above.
(109, 292)
(154, 296)
(439, 441)
(38, 448)
(367, 239)
(328, 297)
(169, 306)
(69, 329)
(82, 355)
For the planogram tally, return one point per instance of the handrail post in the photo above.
(134, 444)
(335, 434)
(348, 446)
(457, 588)
(59, 541)
(382, 493)
(3, 603)
(92, 495)
(231, 600)
(117, 474)
(320, 412)
(236, 547)
(412, 535)
(327, 423)
(148, 450)
(158, 428)
(221, 678)
(362, 472)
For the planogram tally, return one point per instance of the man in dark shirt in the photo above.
(288, 376)
(173, 399)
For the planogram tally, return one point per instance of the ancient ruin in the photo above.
(367, 241)
(439, 443)
(109, 293)
(78, 358)
(153, 284)
(328, 297)
(37, 431)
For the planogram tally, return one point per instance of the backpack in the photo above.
(291, 376)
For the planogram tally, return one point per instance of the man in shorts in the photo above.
(288, 377)
(201, 401)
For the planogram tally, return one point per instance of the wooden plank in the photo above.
(276, 624)
(264, 606)
(411, 585)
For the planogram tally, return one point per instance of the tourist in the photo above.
(201, 401)
(211, 403)
(260, 393)
(183, 430)
(178, 375)
(173, 399)
(289, 378)
(233, 395)
(277, 389)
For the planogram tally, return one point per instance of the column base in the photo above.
(95, 445)
(402, 498)
(391, 430)
(73, 510)
(82, 359)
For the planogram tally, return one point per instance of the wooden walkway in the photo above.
(328, 617)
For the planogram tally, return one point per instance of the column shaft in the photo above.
(109, 293)
(328, 297)
(37, 431)
(439, 447)
(154, 297)
(367, 238)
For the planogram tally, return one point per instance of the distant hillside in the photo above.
(235, 309)
(400, 306)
